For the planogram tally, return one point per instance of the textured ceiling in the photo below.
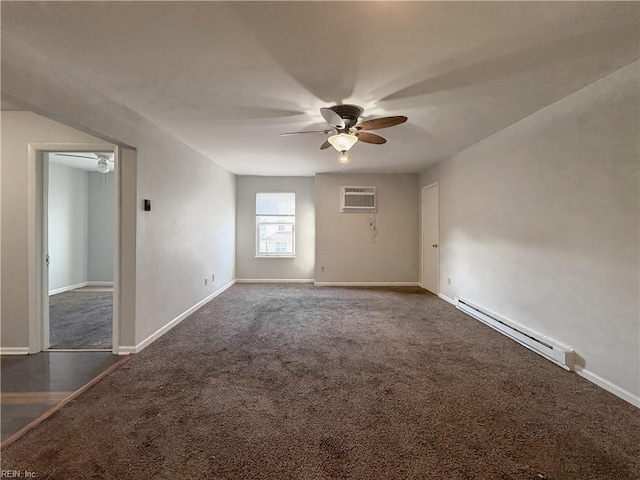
(227, 78)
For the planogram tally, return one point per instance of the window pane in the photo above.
(275, 204)
(273, 240)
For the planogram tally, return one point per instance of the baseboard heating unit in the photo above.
(548, 348)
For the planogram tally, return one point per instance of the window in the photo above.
(275, 224)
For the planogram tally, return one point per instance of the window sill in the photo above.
(275, 256)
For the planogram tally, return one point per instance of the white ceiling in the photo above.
(227, 78)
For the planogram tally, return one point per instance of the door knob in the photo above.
(435, 245)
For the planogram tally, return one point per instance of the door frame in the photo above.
(38, 173)
(422, 239)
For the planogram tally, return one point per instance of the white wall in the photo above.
(190, 232)
(68, 225)
(540, 223)
(250, 268)
(343, 240)
(100, 227)
(81, 227)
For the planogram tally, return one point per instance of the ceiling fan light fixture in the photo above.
(343, 158)
(103, 166)
(342, 142)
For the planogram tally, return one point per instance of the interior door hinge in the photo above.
(46, 260)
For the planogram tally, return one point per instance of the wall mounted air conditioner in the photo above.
(358, 199)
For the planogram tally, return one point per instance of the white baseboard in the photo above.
(367, 284)
(14, 350)
(55, 291)
(274, 280)
(610, 387)
(128, 349)
(447, 299)
(99, 284)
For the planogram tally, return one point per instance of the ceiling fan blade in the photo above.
(370, 138)
(332, 117)
(383, 122)
(325, 145)
(79, 156)
(308, 131)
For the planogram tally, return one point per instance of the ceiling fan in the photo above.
(346, 131)
(102, 158)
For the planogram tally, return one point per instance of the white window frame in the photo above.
(292, 223)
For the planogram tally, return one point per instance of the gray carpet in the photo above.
(300, 382)
(81, 319)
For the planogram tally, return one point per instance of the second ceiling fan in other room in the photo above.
(103, 160)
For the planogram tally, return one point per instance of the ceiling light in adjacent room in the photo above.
(103, 166)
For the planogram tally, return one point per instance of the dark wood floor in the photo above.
(31, 385)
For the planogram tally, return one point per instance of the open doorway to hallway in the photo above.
(79, 245)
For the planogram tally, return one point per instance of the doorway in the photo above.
(79, 201)
(430, 238)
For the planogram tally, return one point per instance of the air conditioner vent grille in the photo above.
(350, 190)
(358, 199)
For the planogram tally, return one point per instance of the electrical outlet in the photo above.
(213, 277)
(322, 269)
(205, 282)
(449, 281)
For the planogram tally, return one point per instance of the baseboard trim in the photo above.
(14, 350)
(447, 299)
(99, 284)
(610, 387)
(128, 349)
(55, 291)
(367, 284)
(274, 280)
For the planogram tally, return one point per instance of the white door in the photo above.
(45, 251)
(430, 238)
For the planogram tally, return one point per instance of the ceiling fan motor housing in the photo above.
(349, 113)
